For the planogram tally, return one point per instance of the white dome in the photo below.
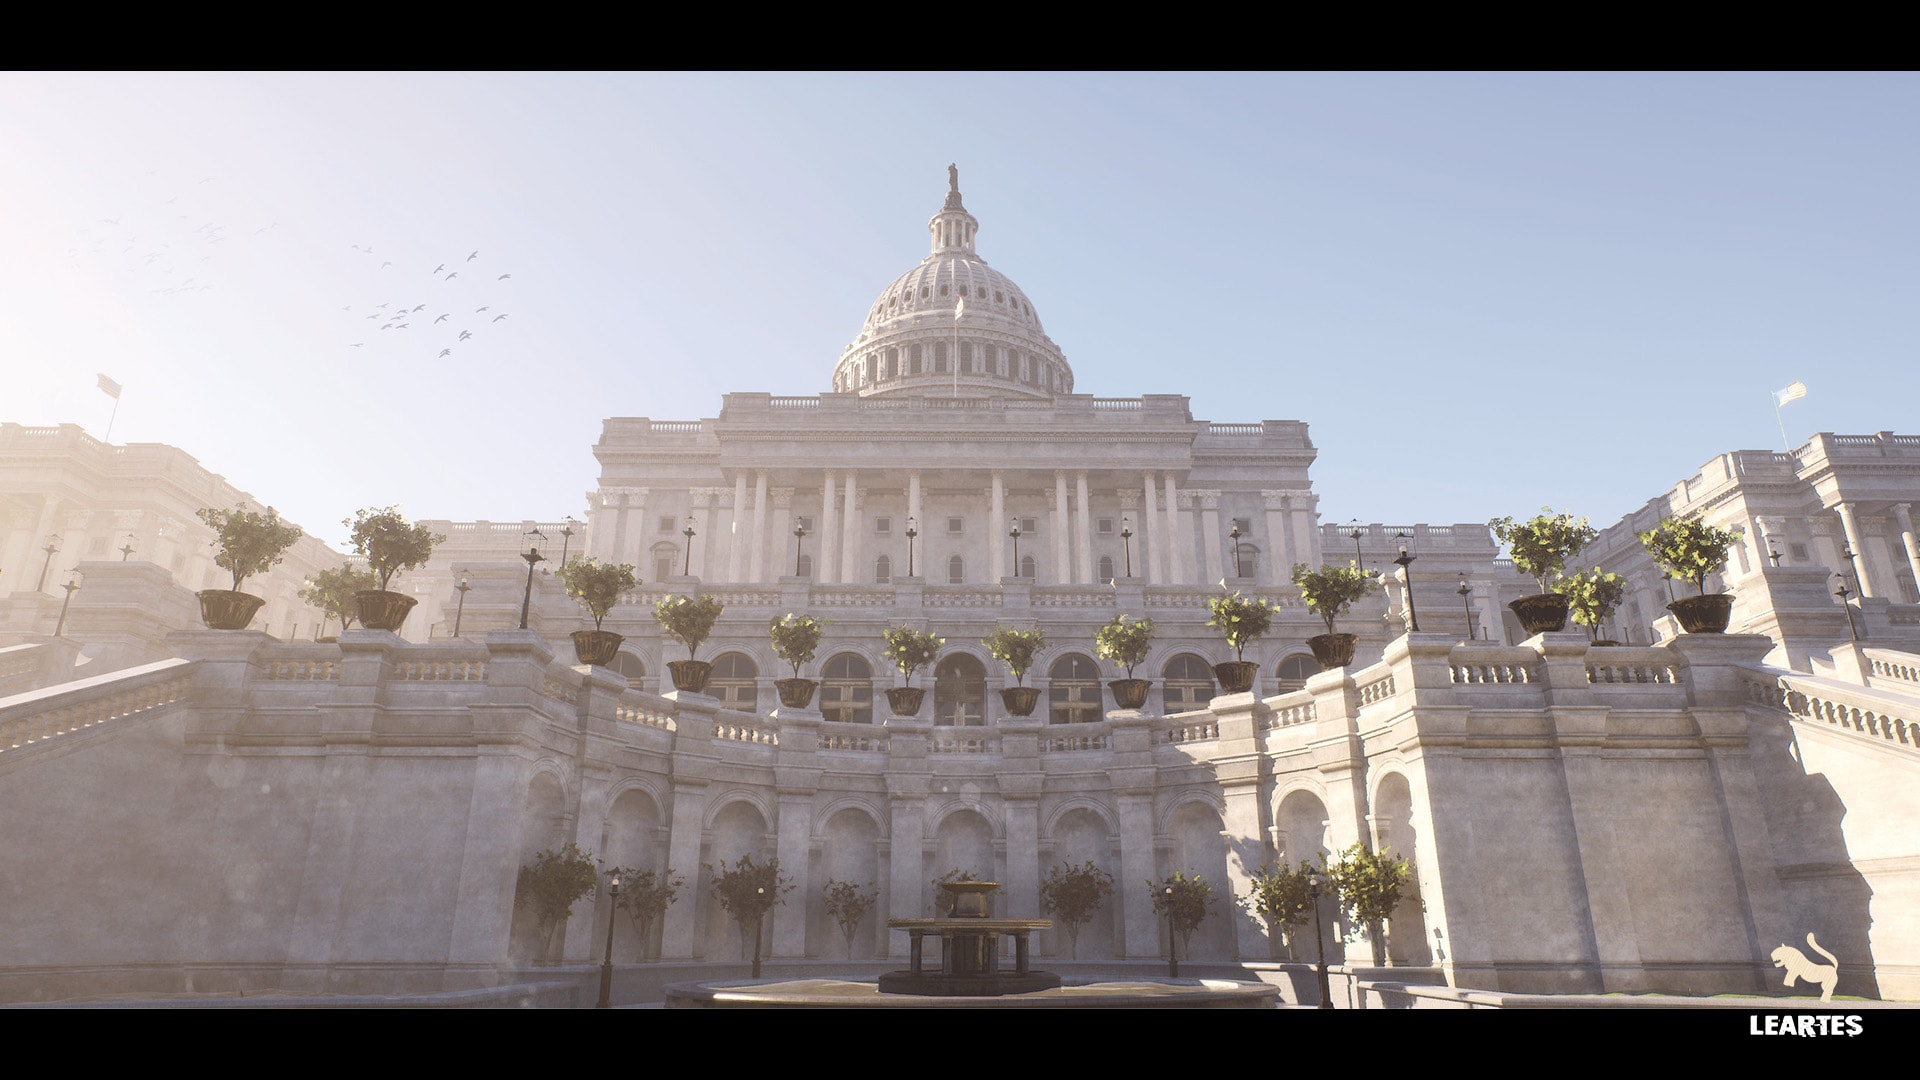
(912, 332)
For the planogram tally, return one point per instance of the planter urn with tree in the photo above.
(909, 650)
(1124, 643)
(1592, 596)
(1331, 592)
(1242, 621)
(1690, 549)
(1016, 649)
(390, 544)
(1541, 548)
(246, 542)
(598, 586)
(795, 639)
(334, 592)
(688, 620)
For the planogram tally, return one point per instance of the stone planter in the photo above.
(224, 609)
(381, 610)
(1130, 693)
(905, 700)
(1544, 613)
(1333, 650)
(796, 693)
(689, 676)
(1236, 676)
(1707, 614)
(596, 646)
(1020, 700)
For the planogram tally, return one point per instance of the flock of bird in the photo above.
(397, 317)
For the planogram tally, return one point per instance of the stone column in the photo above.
(1211, 537)
(827, 560)
(680, 925)
(1083, 530)
(997, 541)
(1306, 528)
(1903, 514)
(1773, 537)
(1149, 535)
(849, 569)
(1137, 864)
(1178, 555)
(1850, 522)
(795, 833)
(1062, 559)
(757, 540)
(737, 557)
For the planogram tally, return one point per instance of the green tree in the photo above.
(332, 591)
(1331, 590)
(645, 896)
(1541, 547)
(1015, 648)
(847, 905)
(552, 883)
(1370, 886)
(1124, 642)
(390, 543)
(1189, 898)
(795, 638)
(1283, 899)
(597, 585)
(1071, 894)
(688, 620)
(1592, 595)
(248, 542)
(910, 649)
(1241, 620)
(1688, 548)
(748, 890)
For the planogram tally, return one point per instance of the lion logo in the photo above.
(1827, 975)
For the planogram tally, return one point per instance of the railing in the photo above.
(1496, 673)
(1073, 596)
(980, 743)
(794, 402)
(854, 596)
(1376, 691)
(326, 669)
(1115, 404)
(959, 596)
(1189, 728)
(1235, 429)
(676, 427)
(560, 690)
(1072, 739)
(1883, 663)
(1817, 701)
(864, 738)
(39, 715)
(442, 670)
(730, 726)
(1290, 715)
(1631, 665)
(647, 710)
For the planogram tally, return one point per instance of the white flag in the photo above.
(960, 308)
(109, 387)
(1792, 393)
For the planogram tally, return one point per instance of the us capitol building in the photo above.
(349, 813)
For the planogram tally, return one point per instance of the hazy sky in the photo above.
(1483, 292)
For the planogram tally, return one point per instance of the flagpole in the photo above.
(1782, 423)
(111, 417)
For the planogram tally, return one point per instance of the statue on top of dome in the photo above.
(953, 178)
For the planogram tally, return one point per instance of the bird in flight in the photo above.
(446, 352)
(439, 268)
(453, 275)
(503, 277)
(473, 256)
(500, 316)
(465, 334)
(440, 320)
(478, 310)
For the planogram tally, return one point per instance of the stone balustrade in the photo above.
(40, 715)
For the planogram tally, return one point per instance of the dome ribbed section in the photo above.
(953, 325)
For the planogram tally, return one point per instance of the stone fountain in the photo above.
(969, 950)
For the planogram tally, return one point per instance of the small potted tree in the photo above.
(847, 905)
(1540, 549)
(1071, 894)
(598, 586)
(1016, 649)
(1124, 643)
(1370, 886)
(551, 884)
(390, 544)
(1183, 900)
(1688, 548)
(1329, 592)
(910, 650)
(747, 891)
(1242, 621)
(645, 896)
(333, 592)
(689, 621)
(1283, 899)
(1592, 595)
(795, 638)
(246, 542)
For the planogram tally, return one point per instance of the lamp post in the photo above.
(1354, 534)
(1319, 939)
(462, 609)
(72, 587)
(126, 550)
(1841, 592)
(53, 546)
(1015, 533)
(1405, 563)
(1846, 552)
(1126, 542)
(687, 569)
(606, 966)
(532, 556)
(1773, 553)
(759, 921)
(1233, 534)
(911, 533)
(566, 538)
(1465, 606)
(799, 534)
(1173, 961)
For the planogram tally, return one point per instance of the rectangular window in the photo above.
(956, 526)
(1105, 527)
(1030, 526)
(663, 568)
(98, 546)
(1245, 525)
(666, 523)
(883, 525)
(1799, 550)
(806, 523)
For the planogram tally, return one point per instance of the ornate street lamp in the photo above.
(72, 587)
(799, 534)
(1405, 563)
(1314, 882)
(1465, 606)
(1234, 535)
(566, 538)
(52, 548)
(462, 609)
(911, 533)
(1126, 542)
(1354, 534)
(532, 556)
(759, 922)
(126, 550)
(687, 570)
(1173, 961)
(1015, 533)
(1841, 592)
(1853, 560)
(606, 966)
(1774, 554)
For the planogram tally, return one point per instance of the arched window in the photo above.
(735, 682)
(883, 570)
(846, 690)
(940, 357)
(1295, 670)
(1073, 691)
(631, 666)
(960, 692)
(1189, 683)
(803, 566)
(1106, 568)
(956, 571)
(1026, 566)
(919, 360)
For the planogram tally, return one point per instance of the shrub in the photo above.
(1188, 897)
(553, 882)
(332, 591)
(597, 585)
(1015, 648)
(1331, 590)
(1689, 548)
(1541, 547)
(1282, 898)
(1071, 894)
(1592, 595)
(389, 543)
(687, 620)
(910, 649)
(795, 637)
(248, 542)
(847, 905)
(645, 896)
(748, 890)
(1241, 620)
(1124, 643)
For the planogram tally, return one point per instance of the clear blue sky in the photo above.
(1484, 292)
